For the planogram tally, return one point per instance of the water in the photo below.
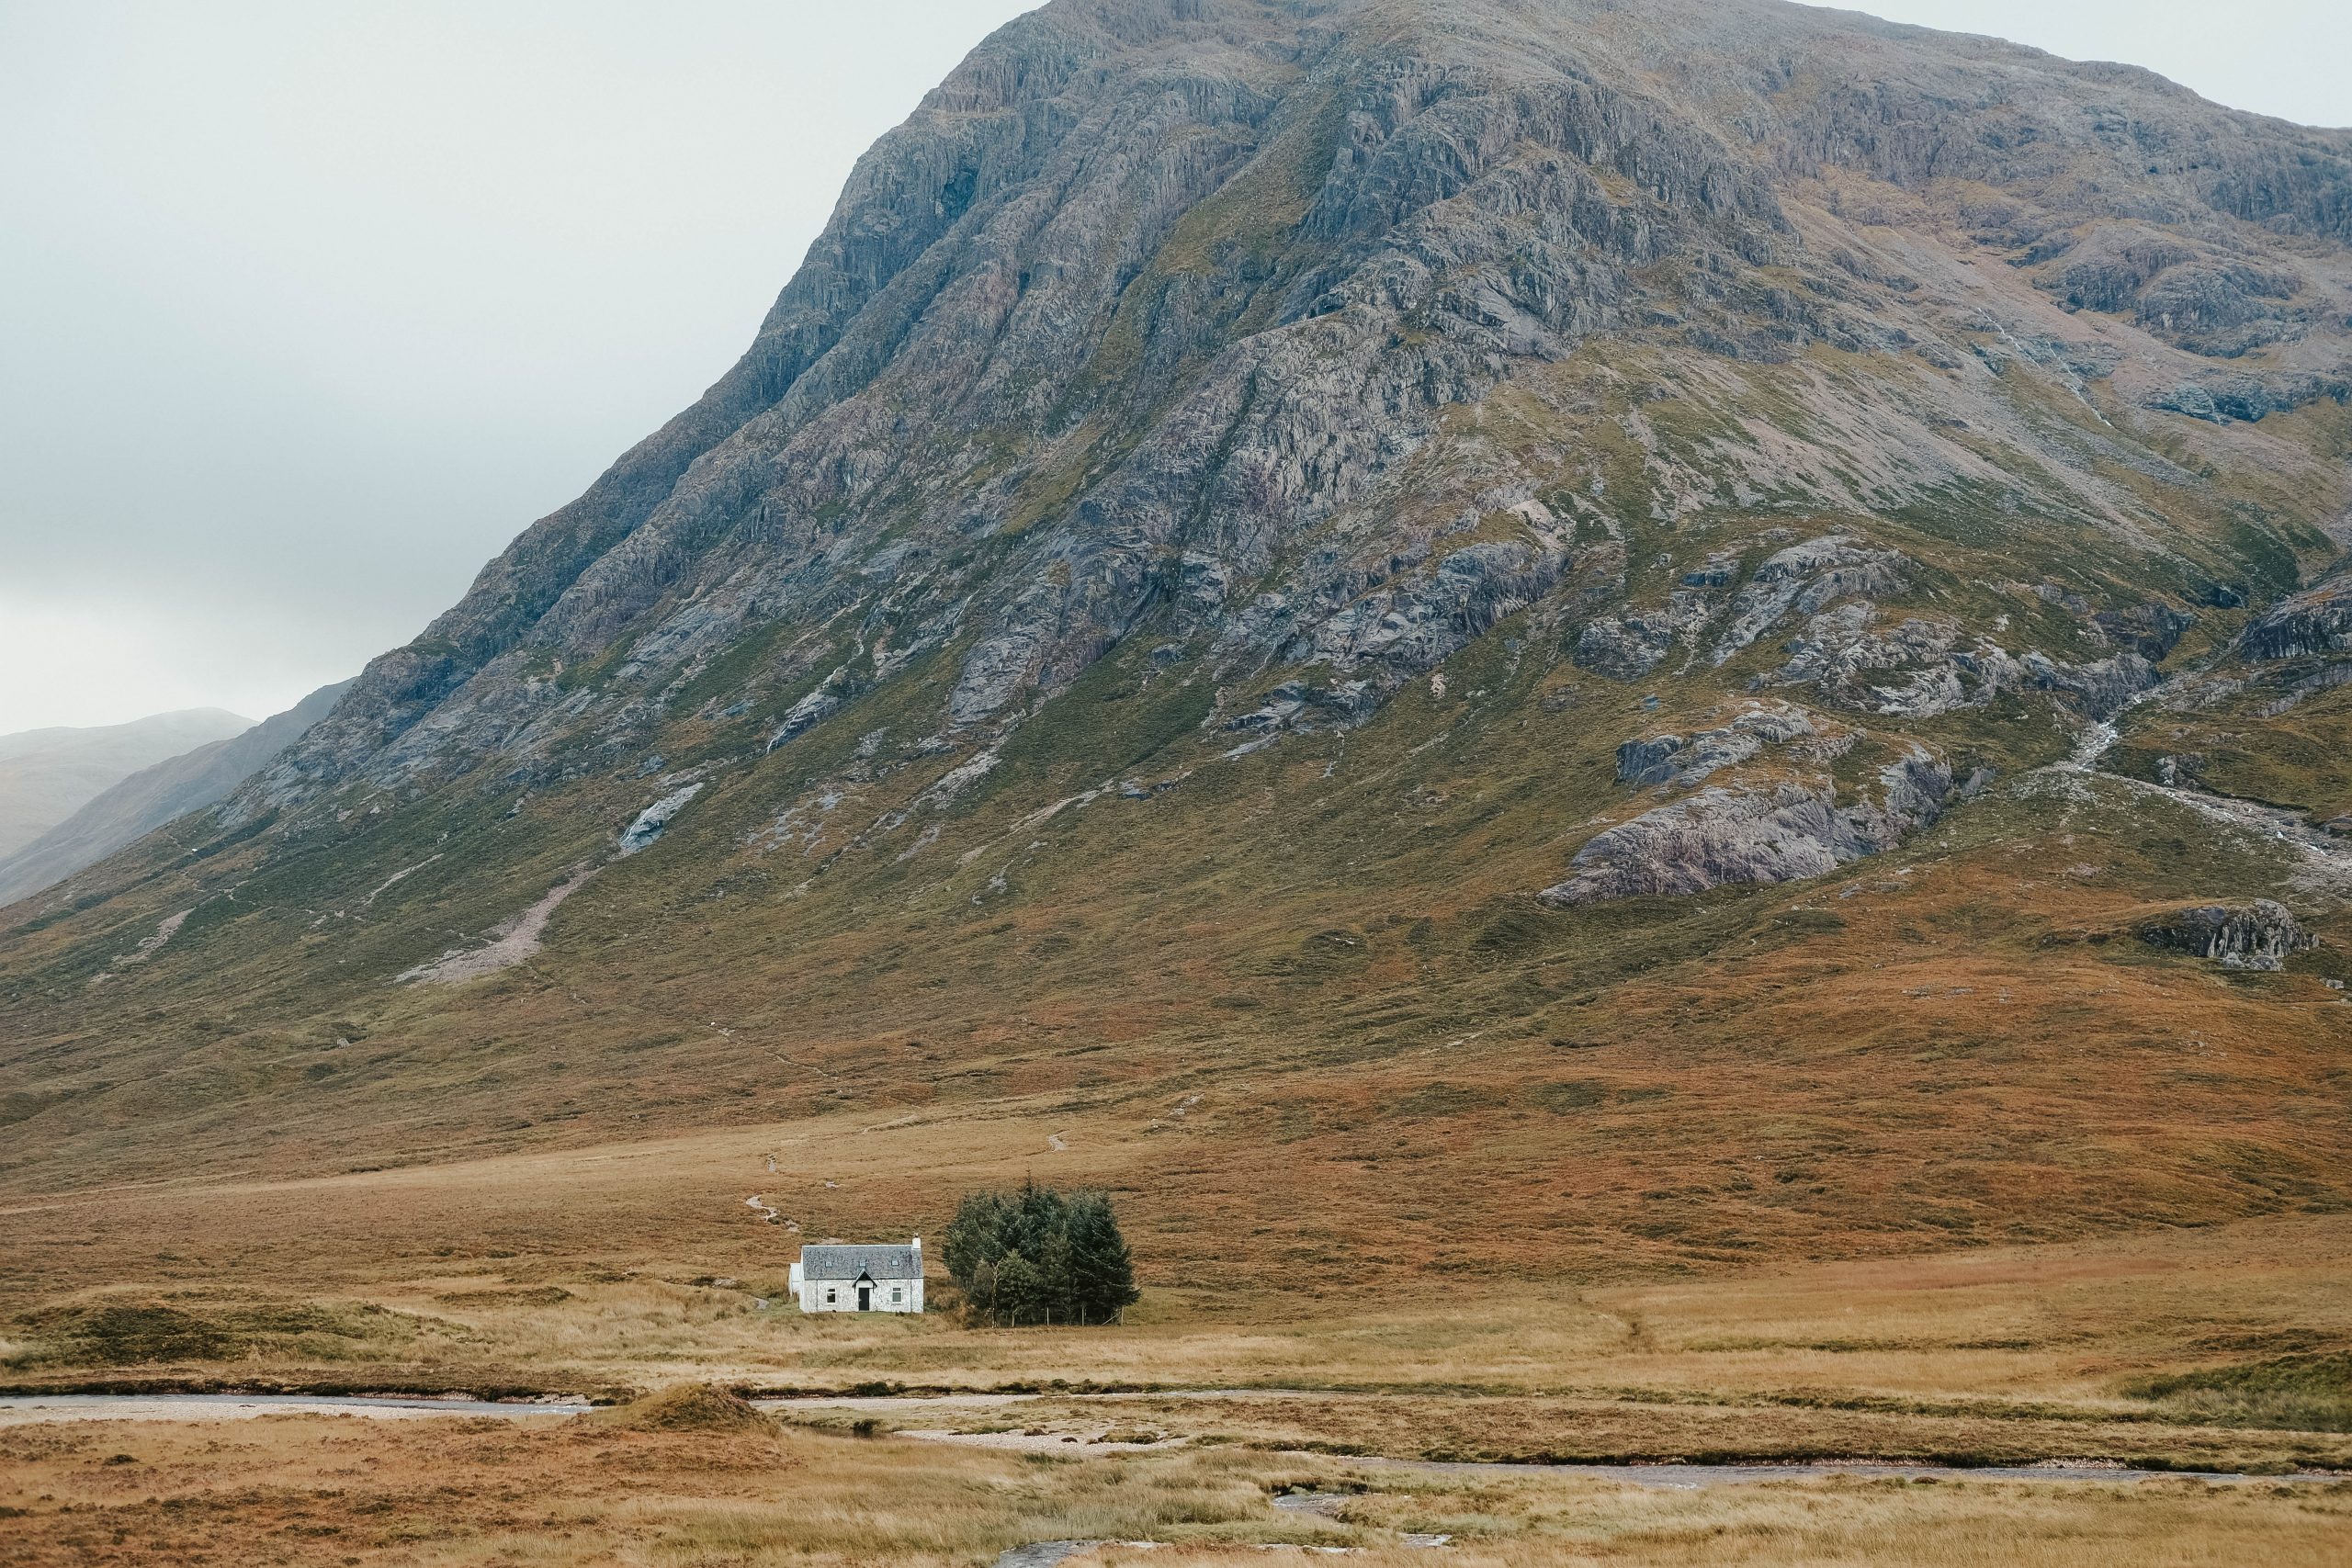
(23, 1409)
(1692, 1477)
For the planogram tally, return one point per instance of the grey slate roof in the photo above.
(889, 1261)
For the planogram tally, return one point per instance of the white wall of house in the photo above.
(841, 1295)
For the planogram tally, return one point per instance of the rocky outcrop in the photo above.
(1805, 577)
(1907, 669)
(1915, 669)
(1782, 831)
(2223, 309)
(1296, 704)
(808, 711)
(2317, 620)
(1626, 647)
(2260, 935)
(654, 820)
(2152, 631)
(1671, 759)
(2103, 687)
(2220, 400)
(1801, 578)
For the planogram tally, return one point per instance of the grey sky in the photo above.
(305, 309)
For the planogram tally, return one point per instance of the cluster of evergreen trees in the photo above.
(1037, 1256)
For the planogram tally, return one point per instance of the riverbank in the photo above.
(306, 1490)
(1082, 1425)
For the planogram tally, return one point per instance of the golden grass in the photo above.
(2008, 1354)
(300, 1490)
(1542, 1429)
(632, 1265)
(1865, 1524)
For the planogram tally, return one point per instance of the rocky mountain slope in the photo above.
(46, 776)
(1280, 566)
(127, 811)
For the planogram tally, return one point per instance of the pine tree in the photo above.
(1056, 1280)
(977, 1236)
(1102, 1271)
(1036, 1255)
(1020, 1289)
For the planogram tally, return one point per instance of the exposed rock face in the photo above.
(2318, 620)
(1153, 314)
(1629, 647)
(1855, 663)
(1670, 759)
(655, 819)
(2151, 630)
(1777, 832)
(1915, 669)
(2103, 686)
(1804, 577)
(2260, 935)
(2222, 399)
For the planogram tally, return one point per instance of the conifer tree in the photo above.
(1036, 1255)
(1102, 1275)
(1020, 1289)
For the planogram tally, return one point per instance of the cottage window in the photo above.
(832, 1296)
(897, 1295)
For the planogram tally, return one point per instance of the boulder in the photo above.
(2260, 935)
(1778, 832)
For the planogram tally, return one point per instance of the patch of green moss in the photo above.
(2303, 1393)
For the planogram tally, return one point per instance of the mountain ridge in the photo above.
(1522, 589)
(51, 772)
(131, 808)
(841, 275)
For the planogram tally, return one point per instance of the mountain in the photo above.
(46, 776)
(155, 795)
(1505, 632)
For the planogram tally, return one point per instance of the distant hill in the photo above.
(46, 776)
(154, 796)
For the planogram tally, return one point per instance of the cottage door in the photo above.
(865, 1298)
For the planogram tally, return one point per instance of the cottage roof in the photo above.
(889, 1261)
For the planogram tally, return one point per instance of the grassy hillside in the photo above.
(1132, 678)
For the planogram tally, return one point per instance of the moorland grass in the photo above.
(2309, 1393)
(441, 1493)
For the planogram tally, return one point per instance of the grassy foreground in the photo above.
(447, 1493)
(2224, 1348)
(621, 1268)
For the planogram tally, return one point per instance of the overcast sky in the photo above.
(306, 309)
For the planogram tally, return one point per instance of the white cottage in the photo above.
(834, 1277)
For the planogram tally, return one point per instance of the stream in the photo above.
(26, 1409)
(2325, 857)
(17, 1410)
